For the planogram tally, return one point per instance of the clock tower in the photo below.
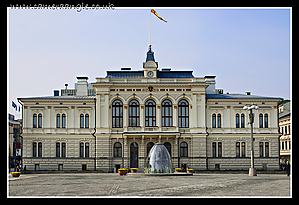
(150, 66)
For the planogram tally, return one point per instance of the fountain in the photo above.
(159, 163)
(158, 160)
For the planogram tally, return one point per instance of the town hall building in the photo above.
(114, 121)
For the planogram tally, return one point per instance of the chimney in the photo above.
(247, 93)
(56, 92)
(82, 86)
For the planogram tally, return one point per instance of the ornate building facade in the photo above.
(114, 121)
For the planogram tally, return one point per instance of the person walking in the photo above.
(288, 168)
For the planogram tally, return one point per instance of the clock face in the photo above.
(150, 74)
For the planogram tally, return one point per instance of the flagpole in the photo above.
(150, 30)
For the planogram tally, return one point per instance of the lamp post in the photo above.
(252, 170)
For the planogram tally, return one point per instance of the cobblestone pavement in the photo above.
(108, 184)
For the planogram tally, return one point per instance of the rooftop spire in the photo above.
(150, 54)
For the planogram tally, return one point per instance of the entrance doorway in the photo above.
(134, 155)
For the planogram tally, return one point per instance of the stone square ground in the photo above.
(111, 184)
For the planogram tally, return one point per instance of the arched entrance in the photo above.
(134, 155)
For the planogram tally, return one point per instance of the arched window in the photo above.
(117, 149)
(166, 113)
(63, 121)
(39, 120)
(183, 113)
(266, 120)
(168, 147)
(86, 121)
(58, 121)
(150, 113)
(57, 149)
(133, 113)
(237, 120)
(86, 149)
(81, 121)
(81, 149)
(261, 120)
(242, 120)
(149, 147)
(214, 120)
(184, 149)
(117, 114)
(34, 120)
(63, 149)
(40, 146)
(219, 120)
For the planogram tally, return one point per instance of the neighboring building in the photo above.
(14, 129)
(115, 121)
(285, 130)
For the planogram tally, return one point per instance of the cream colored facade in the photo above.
(285, 130)
(207, 139)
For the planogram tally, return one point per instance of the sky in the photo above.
(246, 49)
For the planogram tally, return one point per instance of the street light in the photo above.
(252, 170)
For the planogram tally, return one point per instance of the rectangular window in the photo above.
(39, 120)
(81, 149)
(63, 120)
(34, 149)
(86, 149)
(39, 149)
(243, 149)
(57, 149)
(214, 149)
(261, 149)
(266, 149)
(237, 149)
(219, 149)
(63, 149)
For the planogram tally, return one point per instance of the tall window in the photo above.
(117, 114)
(266, 149)
(214, 149)
(117, 149)
(34, 149)
(261, 120)
(86, 149)
(214, 120)
(58, 121)
(34, 120)
(219, 120)
(150, 113)
(237, 149)
(39, 149)
(240, 151)
(217, 152)
(243, 149)
(219, 149)
(237, 120)
(57, 149)
(184, 149)
(39, 120)
(84, 121)
(242, 120)
(82, 149)
(266, 120)
(63, 121)
(81, 121)
(133, 113)
(183, 113)
(62, 148)
(261, 149)
(166, 113)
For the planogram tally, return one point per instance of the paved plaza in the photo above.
(111, 184)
